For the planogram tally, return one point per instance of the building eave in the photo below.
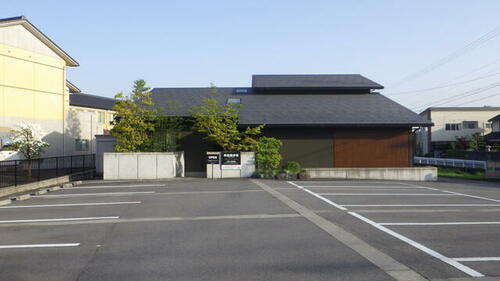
(21, 20)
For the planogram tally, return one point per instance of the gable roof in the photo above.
(91, 101)
(72, 87)
(496, 118)
(304, 110)
(21, 20)
(317, 81)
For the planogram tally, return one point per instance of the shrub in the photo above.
(268, 155)
(292, 167)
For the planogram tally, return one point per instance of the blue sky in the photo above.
(194, 43)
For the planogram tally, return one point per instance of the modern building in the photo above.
(34, 90)
(451, 123)
(322, 120)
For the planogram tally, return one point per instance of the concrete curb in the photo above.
(5, 202)
(54, 188)
(7, 191)
(21, 197)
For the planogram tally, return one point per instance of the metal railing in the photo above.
(445, 162)
(17, 172)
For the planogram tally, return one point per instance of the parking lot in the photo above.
(197, 229)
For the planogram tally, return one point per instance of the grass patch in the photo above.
(461, 174)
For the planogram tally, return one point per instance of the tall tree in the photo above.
(134, 119)
(219, 122)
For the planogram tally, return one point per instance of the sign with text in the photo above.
(213, 159)
(231, 160)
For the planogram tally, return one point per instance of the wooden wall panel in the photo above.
(367, 148)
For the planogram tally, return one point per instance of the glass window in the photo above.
(241, 91)
(487, 125)
(453, 127)
(470, 124)
(100, 117)
(82, 145)
(233, 100)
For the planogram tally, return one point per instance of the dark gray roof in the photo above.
(330, 81)
(91, 101)
(496, 118)
(309, 109)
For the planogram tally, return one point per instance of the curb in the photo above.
(21, 197)
(5, 202)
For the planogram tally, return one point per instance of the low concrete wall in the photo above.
(144, 165)
(406, 174)
(6, 191)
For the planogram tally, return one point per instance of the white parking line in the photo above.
(116, 186)
(319, 196)
(472, 196)
(421, 247)
(96, 194)
(387, 194)
(440, 223)
(477, 259)
(425, 205)
(70, 205)
(364, 186)
(39, 246)
(55, 220)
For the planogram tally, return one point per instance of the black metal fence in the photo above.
(17, 172)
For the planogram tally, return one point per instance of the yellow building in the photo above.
(34, 90)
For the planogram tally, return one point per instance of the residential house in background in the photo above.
(451, 123)
(494, 136)
(34, 90)
(323, 121)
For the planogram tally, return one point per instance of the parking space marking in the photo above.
(439, 223)
(39, 245)
(472, 196)
(319, 197)
(70, 205)
(421, 247)
(96, 194)
(477, 259)
(57, 220)
(116, 186)
(424, 205)
(387, 194)
(467, 270)
(365, 186)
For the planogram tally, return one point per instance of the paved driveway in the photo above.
(195, 229)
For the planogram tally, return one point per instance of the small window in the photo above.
(82, 145)
(470, 124)
(487, 125)
(100, 117)
(453, 127)
(233, 100)
(110, 117)
(240, 91)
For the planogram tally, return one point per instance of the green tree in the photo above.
(268, 155)
(219, 122)
(477, 142)
(134, 119)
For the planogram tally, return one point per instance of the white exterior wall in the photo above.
(143, 166)
(441, 118)
(81, 125)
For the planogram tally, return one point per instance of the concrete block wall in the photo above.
(405, 174)
(142, 166)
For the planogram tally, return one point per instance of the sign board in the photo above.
(213, 159)
(231, 160)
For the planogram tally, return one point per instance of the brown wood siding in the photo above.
(366, 148)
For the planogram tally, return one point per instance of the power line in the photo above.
(482, 98)
(454, 55)
(445, 85)
(456, 97)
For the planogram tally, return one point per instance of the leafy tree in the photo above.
(220, 124)
(134, 119)
(268, 155)
(27, 139)
(477, 142)
(167, 131)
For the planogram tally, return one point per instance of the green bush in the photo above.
(268, 155)
(292, 167)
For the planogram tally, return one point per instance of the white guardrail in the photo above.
(445, 162)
